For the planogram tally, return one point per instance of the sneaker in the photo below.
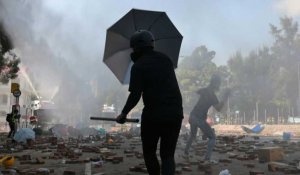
(213, 162)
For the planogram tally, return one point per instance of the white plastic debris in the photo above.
(43, 170)
(98, 163)
(224, 172)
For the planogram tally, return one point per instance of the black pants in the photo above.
(12, 131)
(168, 133)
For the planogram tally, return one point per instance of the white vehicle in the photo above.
(42, 112)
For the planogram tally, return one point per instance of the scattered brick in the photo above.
(225, 160)
(249, 165)
(69, 172)
(256, 172)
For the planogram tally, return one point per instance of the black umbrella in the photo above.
(117, 47)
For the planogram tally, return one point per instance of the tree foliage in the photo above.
(9, 61)
(264, 81)
(194, 72)
(268, 77)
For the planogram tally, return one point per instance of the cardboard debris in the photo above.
(269, 154)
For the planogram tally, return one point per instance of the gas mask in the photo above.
(135, 55)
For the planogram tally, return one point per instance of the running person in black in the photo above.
(198, 115)
(12, 119)
(153, 78)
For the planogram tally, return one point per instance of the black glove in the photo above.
(121, 118)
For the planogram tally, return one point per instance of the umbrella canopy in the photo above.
(117, 47)
(59, 130)
(255, 130)
(23, 134)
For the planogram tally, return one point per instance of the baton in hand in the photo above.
(114, 119)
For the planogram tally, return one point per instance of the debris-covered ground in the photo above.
(121, 154)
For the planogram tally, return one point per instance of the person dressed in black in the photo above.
(153, 78)
(11, 119)
(198, 115)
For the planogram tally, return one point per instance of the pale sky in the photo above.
(73, 32)
(225, 26)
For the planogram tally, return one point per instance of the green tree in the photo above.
(250, 77)
(286, 51)
(267, 78)
(194, 72)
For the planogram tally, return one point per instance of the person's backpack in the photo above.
(8, 117)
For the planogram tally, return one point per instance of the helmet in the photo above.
(8, 161)
(142, 38)
(33, 119)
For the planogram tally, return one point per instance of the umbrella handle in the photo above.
(114, 119)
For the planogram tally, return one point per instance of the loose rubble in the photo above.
(122, 154)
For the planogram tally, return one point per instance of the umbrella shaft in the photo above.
(113, 119)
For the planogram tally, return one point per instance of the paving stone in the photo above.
(225, 160)
(69, 172)
(256, 172)
(204, 166)
(187, 168)
(249, 165)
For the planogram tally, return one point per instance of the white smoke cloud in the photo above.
(61, 44)
(288, 7)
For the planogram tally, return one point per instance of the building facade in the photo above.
(7, 99)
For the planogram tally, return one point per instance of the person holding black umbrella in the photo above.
(153, 77)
